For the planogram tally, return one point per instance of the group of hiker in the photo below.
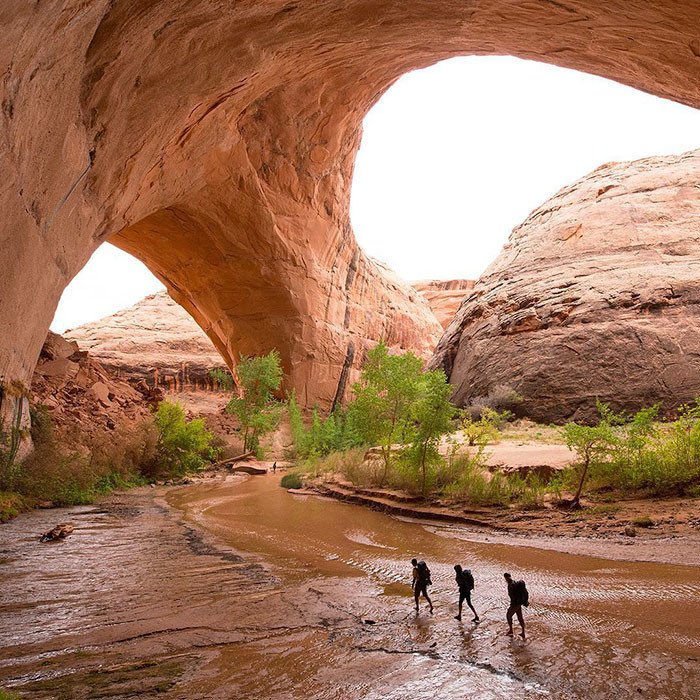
(517, 593)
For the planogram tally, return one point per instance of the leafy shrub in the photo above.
(293, 480)
(181, 446)
(323, 436)
(485, 428)
(639, 454)
(500, 398)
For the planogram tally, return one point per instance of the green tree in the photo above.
(432, 414)
(593, 444)
(222, 378)
(384, 396)
(256, 407)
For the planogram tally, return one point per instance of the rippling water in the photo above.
(285, 596)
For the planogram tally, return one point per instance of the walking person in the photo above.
(274, 468)
(517, 592)
(421, 581)
(465, 581)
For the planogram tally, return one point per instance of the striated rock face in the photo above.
(84, 399)
(597, 293)
(154, 340)
(216, 142)
(444, 296)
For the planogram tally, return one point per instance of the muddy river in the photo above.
(236, 588)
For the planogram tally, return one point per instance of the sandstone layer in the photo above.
(216, 142)
(596, 294)
(156, 341)
(83, 399)
(444, 296)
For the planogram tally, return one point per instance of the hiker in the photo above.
(465, 581)
(517, 592)
(274, 468)
(421, 581)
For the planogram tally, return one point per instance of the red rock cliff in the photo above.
(216, 140)
(596, 294)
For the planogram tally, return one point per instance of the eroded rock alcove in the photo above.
(216, 140)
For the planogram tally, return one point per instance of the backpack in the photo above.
(522, 592)
(467, 579)
(424, 573)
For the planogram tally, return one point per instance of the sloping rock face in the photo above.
(596, 294)
(156, 341)
(216, 142)
(444, 296)
(82, 398)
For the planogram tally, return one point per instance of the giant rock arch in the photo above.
(215, 141)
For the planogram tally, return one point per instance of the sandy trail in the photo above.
(246, 590)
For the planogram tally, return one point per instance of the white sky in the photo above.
(452, 158)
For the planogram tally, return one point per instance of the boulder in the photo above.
(84, 400)
(596, 294)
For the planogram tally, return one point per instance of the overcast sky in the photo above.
(452, 158)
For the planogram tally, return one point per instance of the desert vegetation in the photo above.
(400, 431)
(255, 406)
(167, 446)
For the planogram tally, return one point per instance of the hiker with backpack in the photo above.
(465, 581)
(517, 592)
(421, 581)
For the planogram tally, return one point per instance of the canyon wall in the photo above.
(216, 142)
(154, 340)
(444, 296)
(596, 294)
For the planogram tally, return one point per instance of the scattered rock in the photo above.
(81, 397)
(630, 531)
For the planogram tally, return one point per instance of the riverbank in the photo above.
(233, 586)
(654, 530)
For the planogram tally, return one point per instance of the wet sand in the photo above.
(245, 590)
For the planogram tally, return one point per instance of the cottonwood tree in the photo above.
(256, 407)
(593, 444)
(384, 397)
(432, 414)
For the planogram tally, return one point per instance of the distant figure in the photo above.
(421, 581)
(465, 581)
(517, 592)
(274, 468)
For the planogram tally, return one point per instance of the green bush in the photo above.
(638, 454)
(181, 446)
(323, 436)
(293, 480)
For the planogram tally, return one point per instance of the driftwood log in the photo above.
(60, 532)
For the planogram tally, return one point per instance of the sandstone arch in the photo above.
(118, 117)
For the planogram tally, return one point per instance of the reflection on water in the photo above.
(592, 622)
(317, 605)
